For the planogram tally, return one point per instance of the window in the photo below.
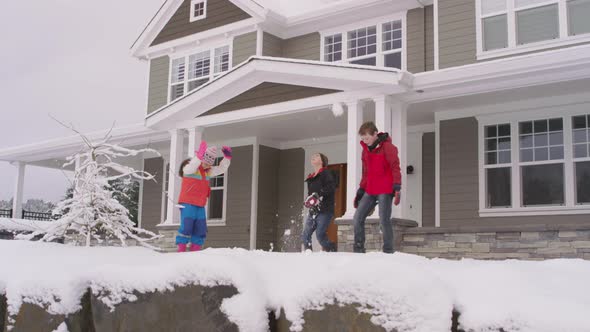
(198, 10)
(184, 79)
(528, 166)
(581, 150)
(497, 164)
(512, 26)
(216, 203)
(377, 44)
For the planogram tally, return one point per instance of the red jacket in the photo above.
(380, 167)
(195, 188)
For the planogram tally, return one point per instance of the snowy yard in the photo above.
(401, 291)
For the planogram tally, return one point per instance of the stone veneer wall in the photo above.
(516, 242)
(373, 236)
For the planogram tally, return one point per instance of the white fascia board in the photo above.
(62, 147)
(527, 70)
(157, 23)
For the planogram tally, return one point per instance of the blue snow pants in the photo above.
(193, 225)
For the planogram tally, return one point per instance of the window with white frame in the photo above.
(535, 164)
(198, 10)
(185, 78)
(377, 44)
(581, 151)
(216, 204)
(513, 24)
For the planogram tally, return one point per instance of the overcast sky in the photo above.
(68, 58)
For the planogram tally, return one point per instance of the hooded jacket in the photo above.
(381, 170)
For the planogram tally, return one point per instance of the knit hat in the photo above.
(210, 155)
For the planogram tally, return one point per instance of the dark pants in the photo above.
(318, 223)
(366, 204)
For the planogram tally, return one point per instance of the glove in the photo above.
(200, 153)
(397, 194)
(226, 152)
(312, 200)
(359, 194)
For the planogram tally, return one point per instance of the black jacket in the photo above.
(324, 184)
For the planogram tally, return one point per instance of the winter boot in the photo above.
(182, 247)
(195, 247)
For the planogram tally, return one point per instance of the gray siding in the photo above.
(272, 45)
(268, 93)
(415, 40)
(459, 182)
(268, 197)
(236, 233)
(306, 47)
(428, 180)
(429, 38)
(456, 29)
(158, 83)
(243, 48)
(151, 205)
(290, 192)
(219, 13)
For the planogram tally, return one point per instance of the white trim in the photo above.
(219, 222)
(140, 197)
(513, 48)
(354, 115)
(424, 128)
(436, 41)
(563, 112)
(176, 149)
(436, 170)
(19, 185)
(194, 18)
(259, 41)
(164, 203)
(312, 141)
(254, 194)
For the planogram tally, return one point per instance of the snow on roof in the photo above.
(402, 292)
(290, 8)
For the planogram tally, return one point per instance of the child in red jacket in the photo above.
(380, 184)
(194, 192)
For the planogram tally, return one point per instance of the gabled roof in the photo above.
(284, 18)
(258, 70)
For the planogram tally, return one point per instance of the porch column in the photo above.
(195, 136)
(383, 123)
(353, 155)
(399, 134)
(17, 200)
(176, 142)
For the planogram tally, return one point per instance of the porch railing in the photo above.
(5, 213)
(43, 216)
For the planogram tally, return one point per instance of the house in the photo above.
(487, 100)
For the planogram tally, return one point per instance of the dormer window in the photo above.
(198, 10)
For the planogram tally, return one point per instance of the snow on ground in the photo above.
(21, 225)
(401, 291)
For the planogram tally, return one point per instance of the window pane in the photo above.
(498, 187)
(504, 130)
(580, 151)
(176, 91)
(177, 74)
(578, 13)
(541, 154)
(492, 6)
(495, 32)
(491, 131)
(368, 62)
(556, 138)
(491, 158)
(580, 136)
(504, 143)
(526, 127)
(199, 65)
(540, 126)
(359, 42)
(526, 141)
(583, 182)
(541, 140)
(195, 84)
(542, 185)
(392, 35)
(216, 204)
(526, 155)
(393, 60)
(537, 24)
(579, 122)
(333, 48)
(491, 144)
(221, 59)
(504, 157)
(556, 153)
(556, 125)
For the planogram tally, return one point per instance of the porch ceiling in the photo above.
(258, 70)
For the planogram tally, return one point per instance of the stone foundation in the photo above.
(373, 235)
(168, 240)
(514, 242)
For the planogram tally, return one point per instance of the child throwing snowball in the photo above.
(194, 192)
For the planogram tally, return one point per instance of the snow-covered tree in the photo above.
(94, 212)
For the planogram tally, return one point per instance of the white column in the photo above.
(176, 148)
(17, 199)
(383, 123)
(195, 136)
(254, 195)
(399, 137)
(353, 155)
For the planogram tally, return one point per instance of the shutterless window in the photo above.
(494, 24)
(392, 44)
(362, 42)
(199, 69)
(221, 59)
(333, 48)
(177, 79)
(578, 17)
(542, 162)
(498, 166)
(534, 24)
(581, 148)
(215, 204)
(198, 10)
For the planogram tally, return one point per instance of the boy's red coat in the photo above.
(381, 168)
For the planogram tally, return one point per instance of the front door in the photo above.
(339, 198)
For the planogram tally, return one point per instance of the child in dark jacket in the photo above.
(196, 173)
(321, 186)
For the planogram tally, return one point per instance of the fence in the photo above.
(44, 216)
(5, 213)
